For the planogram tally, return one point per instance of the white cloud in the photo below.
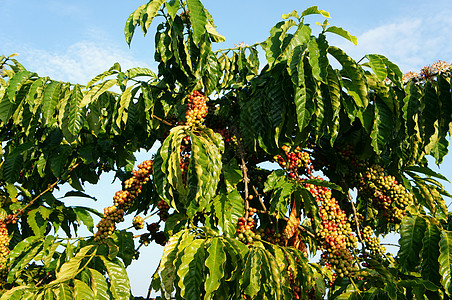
(411, 43)
(78, 63)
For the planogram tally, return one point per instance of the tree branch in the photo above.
(355, 213)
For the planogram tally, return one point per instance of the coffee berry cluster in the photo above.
(388, 196)
(4, 251)
(245, 228)
(334, 232)
(153, 235)
(138, 222)
(295, 159)
(297, 290)
(347, 155)
(163, 208)
(196, 109)
(372, 243)
(123, 200)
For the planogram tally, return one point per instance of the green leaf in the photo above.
(412, 232)
(214, 34)
(251, 278)
(71, 268)
(138, 72)
(411, 109)
(172, 6)
(49, 254)
(132, 23)
(78, 194)
(204, 169)
(343, 33)
(315, 10)
(318, 57)
(84, 216)
(113, 70)
(12, 166)
(215, 263)
(378, 66)
(232, 175)
(82, 291)
(272, 45)
(50, 99)
(198, 19)
(382, 127)
(124, 103)
(166, 168)
(430, 117)
(430, 254)
(151, 11)
(18, 292)
(48, 242)
(124, 240)
(16, 83)
(445, 261)
(23, 260)
(94, 93)
(273, 274)
(37, 223)
(241, 249)
(293, 14)
(427, 171)
(119, 281)
(304, 94)
(445, 94)
(74, 115)
(191, 269)
(34, 97)
(64, 292)
(357, 86)
(299, 38)
(167, 267)
(228, 208)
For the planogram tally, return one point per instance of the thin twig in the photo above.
(389, 244)
(161, 120)
(246, 180)
(42, 279)
(355, 216)
(49, 188)
(262, 204)
(355, 213)
(260, 199)
(150, 285)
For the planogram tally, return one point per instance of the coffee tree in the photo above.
(258, 169)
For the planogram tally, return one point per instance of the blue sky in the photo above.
(76, 40)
